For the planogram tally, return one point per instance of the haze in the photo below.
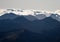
(51, 5)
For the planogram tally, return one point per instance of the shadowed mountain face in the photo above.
(40, 16)
(56, 17)
(21, 29)
(38, 25)
(8, 16)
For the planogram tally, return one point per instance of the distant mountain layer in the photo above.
(38, 14)
(29, 22)
(30, 17)
(17, 27)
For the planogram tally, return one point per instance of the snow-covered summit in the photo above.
(35, 14)
(25, 12)
(28, 12)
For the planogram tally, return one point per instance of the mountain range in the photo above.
(39, 27)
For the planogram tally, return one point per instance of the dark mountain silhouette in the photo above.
(38, 25)
(21, 29)
(31, 18)
(8, 16)
(56, 16)
(23, 35)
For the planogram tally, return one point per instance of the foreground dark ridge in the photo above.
(21, 29)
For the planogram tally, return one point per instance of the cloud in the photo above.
(58, 12)
(39, 14)
(26, 12)
(1, 10)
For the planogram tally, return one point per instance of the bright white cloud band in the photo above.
(34, 13)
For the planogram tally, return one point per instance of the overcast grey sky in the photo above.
(51, 5)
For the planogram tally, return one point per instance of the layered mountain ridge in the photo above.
(29, 25)
(28, 14)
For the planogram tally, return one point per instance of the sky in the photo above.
(51, 5)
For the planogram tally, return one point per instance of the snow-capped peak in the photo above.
(25, 12)
(28, 12)
(34, 14)
(38, 14)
